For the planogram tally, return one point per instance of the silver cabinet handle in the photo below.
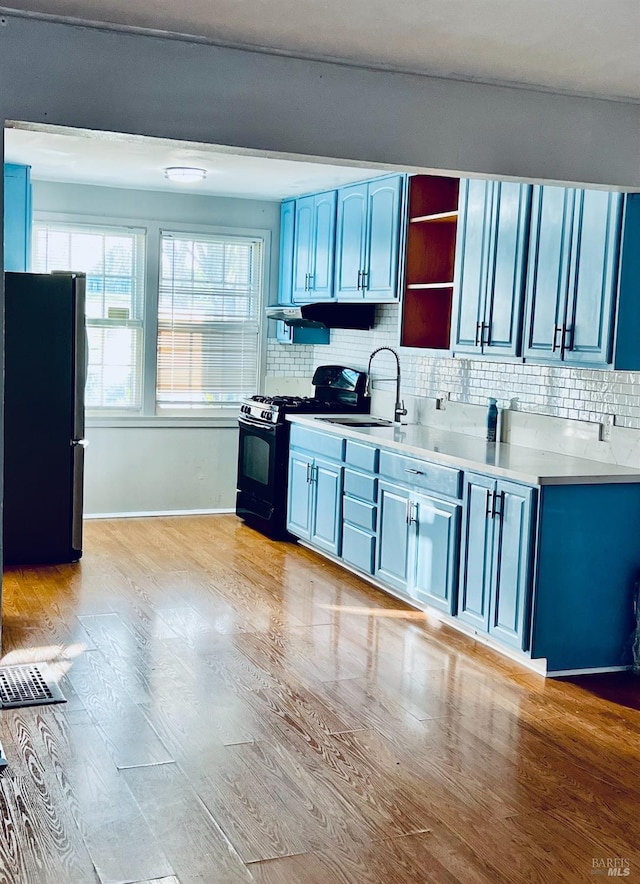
(308, 473)
(359, 279)
(556, 345)
(497, 499)
(365, 279)
(487, 508)
(567, 344)
(414, 472)
(82, 443)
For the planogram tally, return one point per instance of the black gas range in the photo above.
(263, 451)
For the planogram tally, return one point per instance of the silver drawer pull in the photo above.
(415, 472)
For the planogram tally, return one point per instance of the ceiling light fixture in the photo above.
(184, 174)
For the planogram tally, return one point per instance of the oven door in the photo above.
(262, 455)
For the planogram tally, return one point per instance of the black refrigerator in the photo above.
(45, 374)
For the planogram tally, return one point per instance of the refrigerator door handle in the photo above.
(81, 442)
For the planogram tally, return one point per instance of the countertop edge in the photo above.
(622, 476)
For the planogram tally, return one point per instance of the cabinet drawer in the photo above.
(358, 485)
(359, 513)
(363, 456)
(318, 443)
(358, 548)
(421, 474)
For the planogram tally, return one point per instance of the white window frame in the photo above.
(169, 233)
(148, 416)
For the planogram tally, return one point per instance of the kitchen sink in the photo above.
(352, 420)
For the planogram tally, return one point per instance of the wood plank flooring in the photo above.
(242, 710)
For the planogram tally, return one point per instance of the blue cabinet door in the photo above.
(434, 551)
(505, 282)
(393, 535)
(302, 249)
(326, 524)
(492, 235)
(299, 494)
(380, 280)
(323, 246)
(351, 230)
(548, 271)
(17, 217)
(587, 333)
(287, 232)
(287, 334)
(477, 548)
(511, 578)
(471, 263)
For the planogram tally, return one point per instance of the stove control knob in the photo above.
(269, 415)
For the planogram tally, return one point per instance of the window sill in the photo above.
(213, 422)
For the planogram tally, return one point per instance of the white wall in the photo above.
(147, 470)
(160, 468)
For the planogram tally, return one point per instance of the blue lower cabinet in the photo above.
(434, 552)
(477, 549)
(314, 500)
(358, 547)
(299, 495)
(393, 535)
(495, 576)
(326, 508)
(512, 561)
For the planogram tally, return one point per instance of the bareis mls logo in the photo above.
(611, 866)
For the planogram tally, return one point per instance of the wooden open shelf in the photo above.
(427, 318)
(430, 260)
(439, 216)
(432, 195)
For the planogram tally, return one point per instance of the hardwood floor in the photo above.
(242, 710)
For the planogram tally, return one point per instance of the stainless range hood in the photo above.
(333, 315)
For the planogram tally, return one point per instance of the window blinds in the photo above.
(113, 260)
(208, 320)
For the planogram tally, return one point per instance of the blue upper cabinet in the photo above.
(368, 240)
(572, 277)
(287, 230)
(490, 261)
(17, 217)
(351, 232)
(286, 334)
(594, 277)
(313, 247)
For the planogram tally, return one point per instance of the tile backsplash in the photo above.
(577, 394)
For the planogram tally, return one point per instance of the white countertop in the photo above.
(530, 465)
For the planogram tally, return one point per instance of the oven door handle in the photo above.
(257, 425)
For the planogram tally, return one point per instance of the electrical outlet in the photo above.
(608, 421)
(441, 401)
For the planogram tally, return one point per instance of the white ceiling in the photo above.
(579, 46)
(107, 159)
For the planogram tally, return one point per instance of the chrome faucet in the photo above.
(399, 410)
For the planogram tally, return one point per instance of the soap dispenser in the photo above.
(492, 420)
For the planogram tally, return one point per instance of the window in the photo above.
(208, 320)
(113, 259)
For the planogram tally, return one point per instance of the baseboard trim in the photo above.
(594, 670)
(539, 666)
(144, 514)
